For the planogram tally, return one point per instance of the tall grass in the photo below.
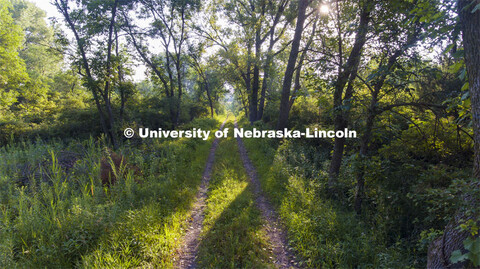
(62, 220)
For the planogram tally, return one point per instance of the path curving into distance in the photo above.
(188, 252)
(284, 258)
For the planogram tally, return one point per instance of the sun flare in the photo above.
(324, 9)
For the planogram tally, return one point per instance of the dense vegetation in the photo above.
(405, 74)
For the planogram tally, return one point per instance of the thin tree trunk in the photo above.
(360, 192)
(106, 91)
(372, 113)
(266, 75)
(248, 81)
(209, 99)
(287, 81)
(256, 79)
(244, 103)
(120, 79)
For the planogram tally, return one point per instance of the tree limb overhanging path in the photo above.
(188, 254)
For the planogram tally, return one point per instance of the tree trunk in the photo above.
(348, 74)
(244, 102)
(180, 92)
(292, 59)
(441, 249)
(266, 75)
(470, 24)
(360, 192)
(256, 77)
(210, 102)
(248, 82)
(297, 86)
(372, 113)
(107, 89)
(269, 58)
(121, 79)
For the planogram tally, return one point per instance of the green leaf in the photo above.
(476, 8)
(456, 67)
(449, 48)
(457, 256)
(463, 74)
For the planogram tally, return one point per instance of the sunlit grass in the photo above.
(232, 235)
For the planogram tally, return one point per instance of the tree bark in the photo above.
(207, 88)
(256, 77)
(292, 59)
(106, 91)
(205, 80)
(123, 94)
(470, 25)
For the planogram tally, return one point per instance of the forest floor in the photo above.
(231, 223)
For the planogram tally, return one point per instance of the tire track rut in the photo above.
(284, 258)
(188, 253)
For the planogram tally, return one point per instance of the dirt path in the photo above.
(188, 252)
(284, 258)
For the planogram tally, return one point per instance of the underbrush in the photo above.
(70, 220)
(409, 199)
(324, 233)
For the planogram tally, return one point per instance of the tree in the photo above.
(13, 73)
(346, 77)
(43, 55)
(170, 27)
(469, 15)
(252, 24)
(292, 59)
(93, 25)
(197, 65)
(403, 40)
(442, 251)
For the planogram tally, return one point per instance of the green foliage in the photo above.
(70, 220)
(324, 235)
(410, 105)
(472, 246)
(12, 68)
